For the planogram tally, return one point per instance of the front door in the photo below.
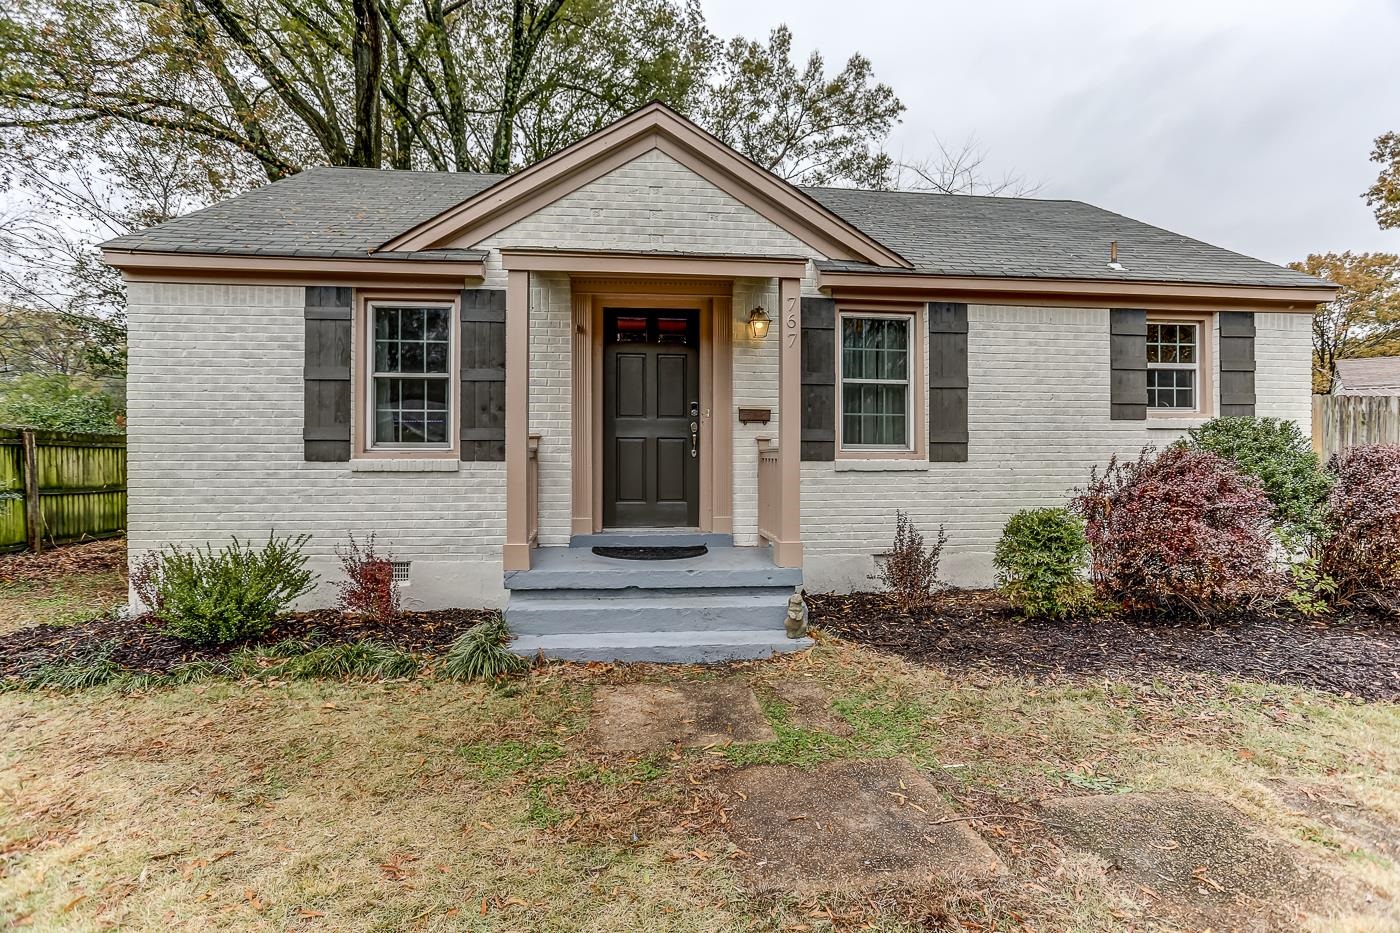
(651, 418)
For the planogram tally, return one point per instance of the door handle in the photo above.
(694, 429)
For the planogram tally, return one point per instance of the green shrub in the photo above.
(481, 654)
(1276, 453)
(215, 597)
(1041, 561)
(57, 402)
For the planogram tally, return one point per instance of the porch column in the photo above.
(787, 549)
(515, 555)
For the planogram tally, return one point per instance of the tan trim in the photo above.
(651, 264)
(720, 416)
(154, 267)
(654, 126)
(587, 284)
(918, 376)
(361, 374)
(1068, 292)
(581, 439)
(515, 554)
(1207, 401)
(787, 549)
(716, 431)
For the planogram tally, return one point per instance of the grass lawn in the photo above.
(435, 806)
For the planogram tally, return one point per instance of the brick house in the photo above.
(647, 341)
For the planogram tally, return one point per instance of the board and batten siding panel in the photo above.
(818, 318)
(215, 411)
(1038, 420)
(483, 376)
(1237, 366)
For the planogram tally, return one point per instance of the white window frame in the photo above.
(1198, 383)
(372, 374)
(912, 369)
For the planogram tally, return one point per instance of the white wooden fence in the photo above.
(1342, 421)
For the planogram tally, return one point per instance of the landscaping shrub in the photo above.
(369, 588)
(1041, 561)
(1361, 553)
(369, 659)
(910, 570)
(1179, 533)
(1276, 453)
(481, 654)
(213, 598)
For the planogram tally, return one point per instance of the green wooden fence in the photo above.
(57, 487)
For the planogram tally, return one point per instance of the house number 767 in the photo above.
(791, 320)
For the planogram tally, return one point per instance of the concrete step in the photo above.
(659, 647)
(565, 568)
(659, 537)
(548, 612)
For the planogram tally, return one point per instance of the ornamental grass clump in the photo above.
(481, 654)
(1361, 552)
(1042, 562)
(210, 597)
(1181, 533)
(1275, 452)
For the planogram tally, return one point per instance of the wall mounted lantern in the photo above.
(758, 323)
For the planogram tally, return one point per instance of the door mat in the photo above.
(652, 553)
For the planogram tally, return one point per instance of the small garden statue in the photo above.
(796, 616)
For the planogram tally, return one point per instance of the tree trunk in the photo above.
(367, 53)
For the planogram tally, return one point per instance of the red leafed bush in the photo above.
(369, 588)
(1361, 552)
(1180, 533)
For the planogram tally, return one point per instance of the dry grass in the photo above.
(434, 806)
(59, 601)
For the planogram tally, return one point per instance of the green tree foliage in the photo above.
(1275, 452)
(58, 402)
(1364, 318)
(273, 85)
(1384, 196)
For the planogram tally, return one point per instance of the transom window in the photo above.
(412, 378)
(875, 364)
(1173, 365)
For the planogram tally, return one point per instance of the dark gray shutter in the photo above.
(947, 382)
(1237, 364)
(326, 376)
(1127, 362)
(818, 379)
(483, 374)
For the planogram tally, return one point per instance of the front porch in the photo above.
(559, 476)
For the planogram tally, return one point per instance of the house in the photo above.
(1377, 375)
(647, 341)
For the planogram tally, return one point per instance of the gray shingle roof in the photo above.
(339, 212)
(1377, 375)
(322, 212)
(943, 234)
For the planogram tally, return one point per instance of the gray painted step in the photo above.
(660, 647)
(565, 568)
(755, 611)
(626, 594)
(658, 537)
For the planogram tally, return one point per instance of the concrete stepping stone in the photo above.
(810, 706)
(848, 825)
(1192, 849)
(638, 718)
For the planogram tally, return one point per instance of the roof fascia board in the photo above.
(606, 263)
(205, 267)
(1177, 295)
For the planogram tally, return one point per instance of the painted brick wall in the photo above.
(1038, 420)
(215, 448)
(652, 203)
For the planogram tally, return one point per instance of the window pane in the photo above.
(874, 415)
(1171, 388)
(412, 340)
(874, 348)
(411, 411)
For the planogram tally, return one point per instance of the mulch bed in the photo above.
(142, 648)
(978, 630)
(53, 563)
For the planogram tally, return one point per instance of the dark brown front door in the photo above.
(651, 416)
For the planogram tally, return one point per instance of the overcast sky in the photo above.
(1245, 124)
